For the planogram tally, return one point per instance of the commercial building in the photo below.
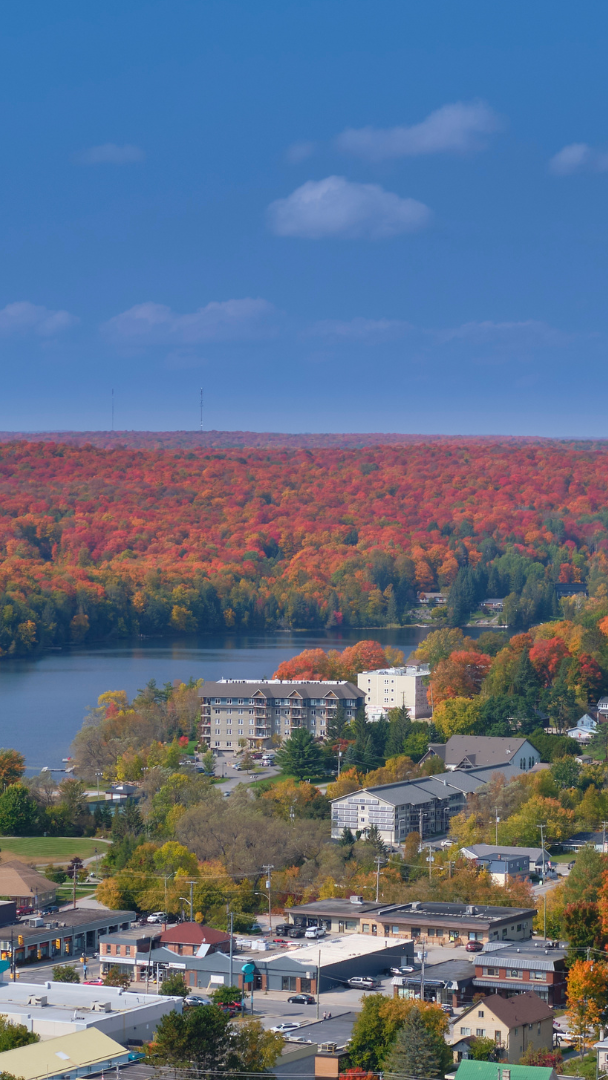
(25, 886)
(428, 921)
(503, 868)
(257, 713)
(54, 1009)
(66, 934)
(425, 806)
(69, 1056)
(483, 751)
(139, 954)
(391, 688)
(194, 939)
(514, 1024)
(511, 970)
(449, 983)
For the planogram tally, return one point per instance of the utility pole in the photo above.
(420, 828)
(422, 956)
(604, 823)
(542, 840)
(339, 762)
(430, 857)
(497, 820)
(378, 861)
(318, 982)
(545, 917)
(148, 964)
(231, 944)
(268, 867)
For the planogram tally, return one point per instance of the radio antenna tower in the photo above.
(201, 408)
(112, 410)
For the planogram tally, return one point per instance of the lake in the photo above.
(44, 697)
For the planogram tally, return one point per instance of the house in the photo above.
(513, 1023)
(423, 921)
(503, 868)
(539, 860)
(488, 1070)
(493, 603)
(602, 1055)
(391, 688)
(25, 886)
(81, 1053)
(432, 598)
(570, 588)
(509, 970)
(425, 806)
(255, 711)
(479, 751)
(581, 839)
(194, 939)
(585, 729)
(448, 983)
(602, 706)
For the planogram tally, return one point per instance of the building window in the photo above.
(540, 975)
(480, 1032)
(481, 1013)
(394, 929)
(491, 971)
(127, 950)
(430, 933)
(415, 931)
(465, 1031)
(498, 1037)
(513, 973)
(288, 982)
(365, 928)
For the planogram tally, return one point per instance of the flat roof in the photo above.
(68, 1002)
(74, 919)
(424, 910)
(62, 1055)
(334, 950)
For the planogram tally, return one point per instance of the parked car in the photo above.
(295, 932)
(158, 917)
(25, 910)
(448, 1010)
(571, 864)
(93, 982)
(301, 999)
(363, 982)
(287, 1025)
(474, 946)
(401, 970)
(237, 765)
(314, 932)
(192, 1001)
(283, 928)
(50, 909)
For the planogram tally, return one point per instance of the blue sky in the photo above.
(334, 216)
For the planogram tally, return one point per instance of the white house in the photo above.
(585, 729)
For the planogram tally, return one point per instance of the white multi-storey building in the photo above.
(389, 688)
(258, 713)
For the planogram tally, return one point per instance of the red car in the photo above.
(474, 946)
(93, 982)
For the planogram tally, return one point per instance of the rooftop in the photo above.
(63, 1055)
(335, 950)
(193, 933)
(67, 1002)
(487, 1070)
(72, 919)
(521, 1009)
(534, 853)
(19, 879)
(419, 909)
(480, 750)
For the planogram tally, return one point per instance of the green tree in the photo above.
(14, 1035)
(65, 973)
(174, 985)
(199, 1038)
(566, 772)
(400, 726)
(208, 762)
(18, 812)
(254, 1050)
(300, 756)
(370, 1038)
(583, 930)
(417, 1051)
(225, 995)
(485, 1049)
(337, 724)
(586, 877)
(115, 977)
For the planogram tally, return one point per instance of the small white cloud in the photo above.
(337, 207)
(578, 157)
(109, 154)
(455, 128)
(227, 320)
(23, 317)
(300, 151)
(528, 331)
(359, 329)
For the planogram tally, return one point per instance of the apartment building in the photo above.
(260, 713)
(390, 688)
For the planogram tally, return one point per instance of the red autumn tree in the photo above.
(461, 675)
(546, 657)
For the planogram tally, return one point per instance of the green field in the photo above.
(50, 849)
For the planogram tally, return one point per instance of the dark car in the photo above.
(301, 999)
(50, 909)
(474, 946)
(295, 931)
(283, 928)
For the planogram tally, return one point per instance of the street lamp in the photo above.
(187, 901)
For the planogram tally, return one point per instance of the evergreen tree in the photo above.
(18, 812)
(417, 1051)
(300, 756)
(347, 839)
(525, 680)
(561, 701)
(337, 725)
(399, 726)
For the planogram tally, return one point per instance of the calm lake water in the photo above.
(43, 699)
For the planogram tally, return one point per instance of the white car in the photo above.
(315, 932)
(158, 917)
(288, 1025)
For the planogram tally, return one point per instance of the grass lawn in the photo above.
(49, 849)
(577, 1066)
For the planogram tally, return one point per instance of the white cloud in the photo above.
(578, 157)
(109, 154)
(454, 128)
(337, 207)
(527, 332)
(23, 317)
(360, 329)
(300, 151)
(227, 320)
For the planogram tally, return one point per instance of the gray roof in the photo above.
(446, 972)
(425, 911)
(535, 854)
(420, 791)
(277, 688)
(479, 749)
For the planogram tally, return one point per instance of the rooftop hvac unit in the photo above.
(35, 999)
(328, 1047)
(101, 1006)
(356, 899)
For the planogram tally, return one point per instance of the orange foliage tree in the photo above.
(461, 675)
